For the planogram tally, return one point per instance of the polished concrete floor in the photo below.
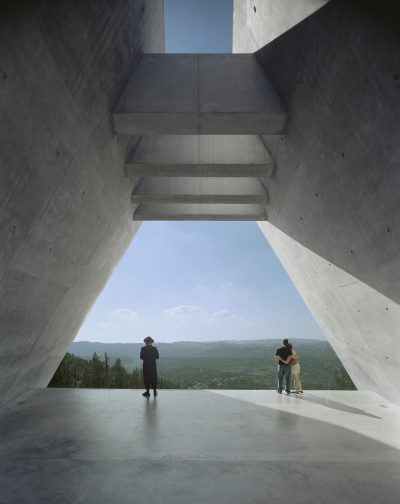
(100, 446)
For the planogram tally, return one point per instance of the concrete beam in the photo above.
(198, 217)
(215, 94)
(233, 190)
(195, 212)
(199, 185)
(200, 198)
(199, 156)
(213, 170)
(200, 149)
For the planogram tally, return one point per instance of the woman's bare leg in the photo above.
(297, 383)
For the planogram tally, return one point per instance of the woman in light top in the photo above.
(293, 360)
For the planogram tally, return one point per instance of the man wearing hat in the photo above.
(149, 355)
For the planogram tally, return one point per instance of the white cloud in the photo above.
(226, 315)
(182, 310)
(124, 314)
(108, 325)
(185, 313)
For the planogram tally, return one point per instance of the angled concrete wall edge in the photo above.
(334, 194)
(66, 210)
(346, 310)
(255, 24)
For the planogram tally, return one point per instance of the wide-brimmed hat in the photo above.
(148, 339)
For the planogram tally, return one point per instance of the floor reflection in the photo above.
(151, 423)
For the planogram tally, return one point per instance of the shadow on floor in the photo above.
(328, 403)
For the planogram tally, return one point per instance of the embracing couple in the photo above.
(288, 367)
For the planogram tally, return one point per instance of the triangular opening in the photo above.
(218, 303)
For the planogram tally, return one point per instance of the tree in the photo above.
(97, 372)
(119, 375)
(107, 381)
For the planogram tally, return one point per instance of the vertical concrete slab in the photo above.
(334, 195)
(257, 22)
(360, 323)
(65, 210)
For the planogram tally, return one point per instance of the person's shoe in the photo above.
(287, 392)
(155, 392)
(279, 391)
(146, 394)
(301, 392)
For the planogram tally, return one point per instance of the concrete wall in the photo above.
(334, 200)
(65, 209)
(258, 22)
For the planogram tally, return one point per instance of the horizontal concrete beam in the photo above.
(199, 217)
(235, 190)
(201, 185)
(199, 156)
(200, 149)
(169, 170)
(200, 198)
(213, 94)
(176, 211)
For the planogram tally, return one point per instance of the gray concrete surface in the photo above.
(185, 176)
(245, 447)
(257, 23)
(222, 150)
(208, 94)
(222, 211)
(65, 210)
(334, 209)
(200, 198)
(66, 204)
(138, 170)
(203, 186)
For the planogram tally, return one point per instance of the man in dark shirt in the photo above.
(284, 370)
(149, 355)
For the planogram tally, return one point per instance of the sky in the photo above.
(198, 26)
(198, 281)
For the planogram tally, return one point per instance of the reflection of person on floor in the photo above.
(284, 370)
(293, 361)
(149, 355)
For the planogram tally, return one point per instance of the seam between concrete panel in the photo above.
(350, 283)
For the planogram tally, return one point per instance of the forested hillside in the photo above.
(221, 364)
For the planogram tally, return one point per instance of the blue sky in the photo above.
(198, 281)
(198, 26)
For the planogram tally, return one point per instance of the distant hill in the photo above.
(129, 352)
(228, 364)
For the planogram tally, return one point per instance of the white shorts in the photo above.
(295, 369)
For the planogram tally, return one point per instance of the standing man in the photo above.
(284, 370)
(149, 355)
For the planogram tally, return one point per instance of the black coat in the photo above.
(149, 355)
